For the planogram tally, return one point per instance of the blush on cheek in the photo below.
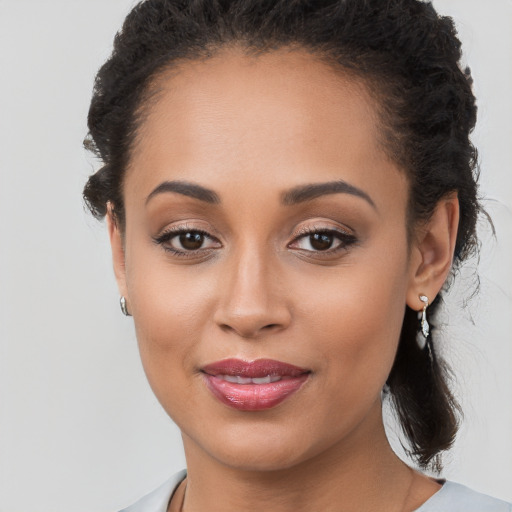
(359, 323)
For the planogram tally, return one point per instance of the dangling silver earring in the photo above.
(425, 328)
(124, 308)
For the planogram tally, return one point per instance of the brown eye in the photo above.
(321, 241)
(183, 242)
(191, 241)
(328, 241)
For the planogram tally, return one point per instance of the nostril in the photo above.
(249, 332)
(253, 320)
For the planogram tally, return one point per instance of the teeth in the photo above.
(262, 380)
(236, 379)
(230, 378)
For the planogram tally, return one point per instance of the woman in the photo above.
(288, 186)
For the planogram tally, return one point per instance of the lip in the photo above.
(277, 381)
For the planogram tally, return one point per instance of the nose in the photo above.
(252, 299)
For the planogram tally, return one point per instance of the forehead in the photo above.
(255, 91)
(285, 115)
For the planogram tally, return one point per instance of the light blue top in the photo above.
(451, 497)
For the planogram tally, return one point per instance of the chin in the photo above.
(254, 447)
(249, 459)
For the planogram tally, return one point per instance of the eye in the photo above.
(322, 240)
(191, 241)
(319, 241)
(180, 240)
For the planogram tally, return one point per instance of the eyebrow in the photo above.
(311, 191)
(296, 195)
(186, 189)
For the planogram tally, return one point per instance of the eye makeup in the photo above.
(186, 241)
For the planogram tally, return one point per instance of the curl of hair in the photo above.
(409, 58)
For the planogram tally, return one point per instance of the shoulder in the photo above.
(455, 497)
(157, 500)
(452, 497)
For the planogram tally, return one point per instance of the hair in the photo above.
(409, 58)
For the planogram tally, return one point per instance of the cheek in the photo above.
(170, 305)
(355, 315)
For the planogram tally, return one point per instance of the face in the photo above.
(265, 239)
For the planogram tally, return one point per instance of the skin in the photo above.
(251, 129)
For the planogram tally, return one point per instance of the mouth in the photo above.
(254, 385)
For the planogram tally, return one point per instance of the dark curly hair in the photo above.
(409, 58)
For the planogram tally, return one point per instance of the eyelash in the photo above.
(175, 231)
(346, 240)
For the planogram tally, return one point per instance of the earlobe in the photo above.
(433, 250)
(118, 255)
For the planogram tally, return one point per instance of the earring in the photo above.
(124, 308)
(425, 328)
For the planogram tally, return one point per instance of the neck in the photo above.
(360, 473)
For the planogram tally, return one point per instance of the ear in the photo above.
(116, 244)
(432, 252)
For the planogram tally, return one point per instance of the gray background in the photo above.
(79, 427)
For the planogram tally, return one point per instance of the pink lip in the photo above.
(253, 396)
